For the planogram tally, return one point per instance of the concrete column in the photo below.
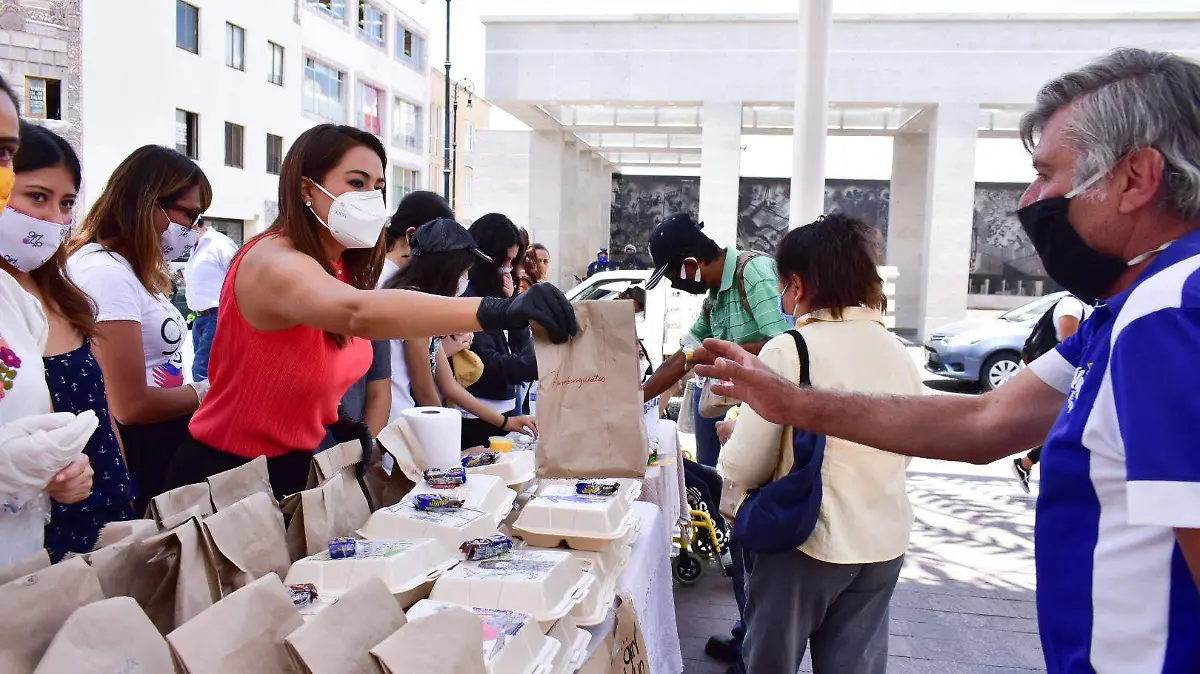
(949, 211)
(545, 195)
(573, 253)
(812, 105)
(906, 224)
(600, 189)
(720, 169)
(606, 175)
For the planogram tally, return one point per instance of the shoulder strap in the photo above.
(802, 351)
(739, 277)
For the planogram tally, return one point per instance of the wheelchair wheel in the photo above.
(687, 568)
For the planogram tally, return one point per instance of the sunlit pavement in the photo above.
(965, 602)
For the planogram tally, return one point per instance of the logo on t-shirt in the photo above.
(1076, 385)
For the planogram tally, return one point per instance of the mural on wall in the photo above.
(1003, 259)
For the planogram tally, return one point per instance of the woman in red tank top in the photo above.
(298, 309)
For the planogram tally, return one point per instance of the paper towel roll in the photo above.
(439, 432)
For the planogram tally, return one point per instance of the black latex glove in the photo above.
(543, 304)
(347, 429)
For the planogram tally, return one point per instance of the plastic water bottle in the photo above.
(533, 399)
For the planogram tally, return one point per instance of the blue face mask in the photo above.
(787, 318)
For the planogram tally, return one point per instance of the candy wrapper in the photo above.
(446, 479)
(303, 595)
(596, 488)
(436, 502)
(490, 546)
(477, 460)
(342, 548)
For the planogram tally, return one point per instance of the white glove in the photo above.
(35, 448)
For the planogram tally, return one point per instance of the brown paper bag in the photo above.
(243, 632)
(330, 462)
(190, 497)
(629, 647)
(589, 418)
(246, 541)
(23, 567)
(447, 642)
(338, 639)
(112, 635)
(189, 582)
(115, 532)
(383, 489)
(336, 508)
(124, 567)
(236, 484)
(399, 440)
(36, 606)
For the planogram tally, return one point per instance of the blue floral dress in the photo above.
(76, 384)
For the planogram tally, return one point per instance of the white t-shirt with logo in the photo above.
(1069, 306)
(119, 296)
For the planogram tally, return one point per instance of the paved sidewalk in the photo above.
(965, 602)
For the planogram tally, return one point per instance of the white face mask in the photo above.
(177, 240)
(462, 286)
(26, 242)
(355, 218)
(505, 271)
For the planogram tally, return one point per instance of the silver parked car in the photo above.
(985, 350)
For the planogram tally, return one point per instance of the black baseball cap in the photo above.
(444, 236)
(672, 241)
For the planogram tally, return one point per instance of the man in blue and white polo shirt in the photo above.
(1115, 216)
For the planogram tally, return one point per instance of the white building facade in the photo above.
(605, 93)
(233, 83)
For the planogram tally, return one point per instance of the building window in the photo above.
(408, 46)
(404, 181)
(334, 8)
(235, 47)
(276, 74)
(370, 104)
(323, 90)
(371, 22)
(406, 125)
(234, 146)
(467, 190)
(187, 27)
(187, 133)
(469, 139)
(43, 98)
(274, 154)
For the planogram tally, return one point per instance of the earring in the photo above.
(308, 203)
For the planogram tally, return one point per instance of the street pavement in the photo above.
(965, 601)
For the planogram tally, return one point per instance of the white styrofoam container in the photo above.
(405, 566)
(513, 468)
(546, 584)
(573, 644)
(606, 566)
(512, 642)
(481, 492)
(451, 528)
(558, 514)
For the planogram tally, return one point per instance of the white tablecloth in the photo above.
(663, 485)
(646, 582)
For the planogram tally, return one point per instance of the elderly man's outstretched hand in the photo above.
(743, 376)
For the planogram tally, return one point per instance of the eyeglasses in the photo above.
(194, 216)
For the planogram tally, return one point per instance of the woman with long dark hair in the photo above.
(144, 218)
(442, 252)
(507, 356)
(301, 306)
(32, 231)
(32, 435)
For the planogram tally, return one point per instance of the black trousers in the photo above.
(195, 462)
(478, 433)
(149, 450)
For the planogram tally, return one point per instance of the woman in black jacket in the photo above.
(507, 355)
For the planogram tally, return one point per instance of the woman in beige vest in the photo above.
(834, 591)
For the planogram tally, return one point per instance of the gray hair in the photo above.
(1126, 100)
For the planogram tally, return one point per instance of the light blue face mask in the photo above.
(787, 318)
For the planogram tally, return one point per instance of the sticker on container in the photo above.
(368, 550)
(565, 493)
(499, 629)
(458, 517)
(525, 565)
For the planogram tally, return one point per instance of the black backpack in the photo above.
(1043, 339)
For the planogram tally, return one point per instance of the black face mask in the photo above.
(1074, 265)
(689, 286)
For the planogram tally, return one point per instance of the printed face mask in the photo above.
(26, 242)
(462, 286)
(355, 218)
(177, 240)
